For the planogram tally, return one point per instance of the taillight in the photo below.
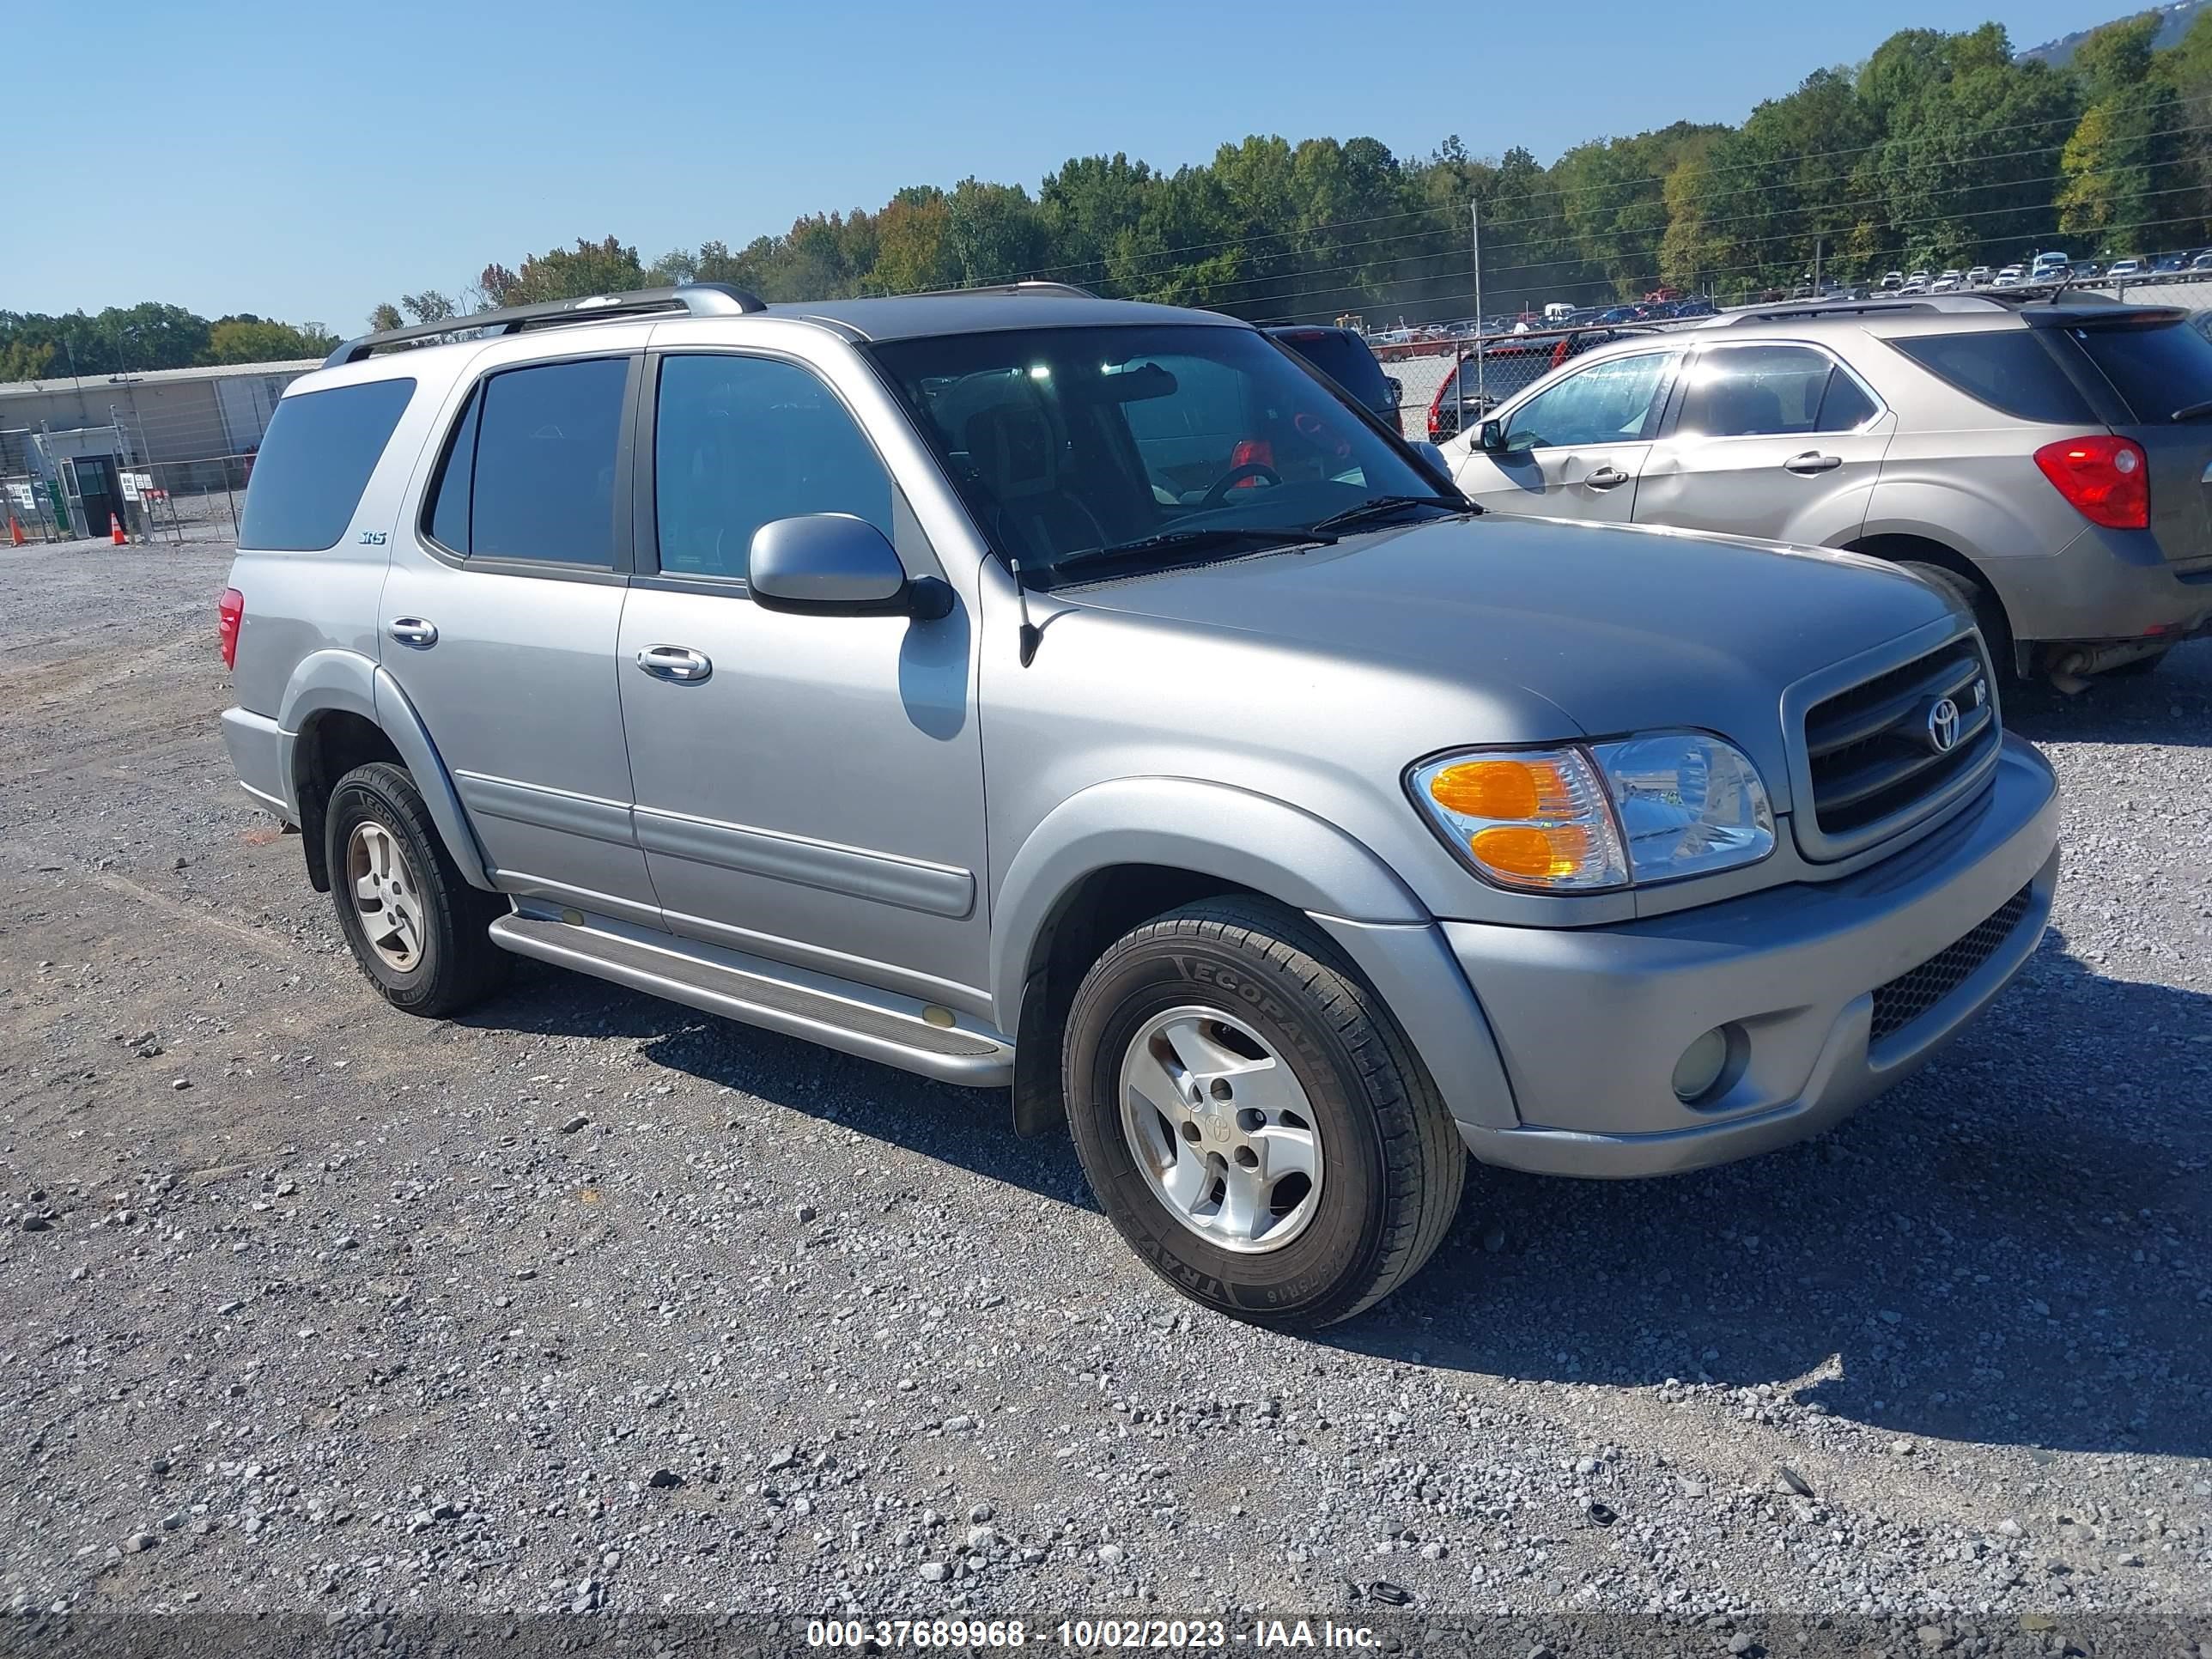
(229, 616)
(2106, 478)
(1251, 451)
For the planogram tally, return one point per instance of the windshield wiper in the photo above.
(1195, 540)
(1376, 507)
(2192, 411)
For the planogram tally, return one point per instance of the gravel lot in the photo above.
(590, 1303)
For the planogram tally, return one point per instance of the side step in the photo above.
(877, 1026)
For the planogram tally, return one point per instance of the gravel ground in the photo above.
(590, 1303)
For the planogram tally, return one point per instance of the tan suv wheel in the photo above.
(415, 925)
(1251, 1119)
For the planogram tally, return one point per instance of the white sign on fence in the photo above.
(135, 484)
(20, 494)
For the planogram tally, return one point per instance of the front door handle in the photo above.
(1606, 478)
(1814, 461)
(413, 630)
(678, 663)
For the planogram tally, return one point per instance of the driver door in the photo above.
(1575, 448)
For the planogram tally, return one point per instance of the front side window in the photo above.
(1067, 441)
(1607, 403)
(1740, 392)
(529, 472)
(314, 462)
(739, 442)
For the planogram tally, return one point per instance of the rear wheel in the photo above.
(416, 927)
(1251, 1119)
(1974, 602)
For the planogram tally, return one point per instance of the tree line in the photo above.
(1939, 149)
(123, 340)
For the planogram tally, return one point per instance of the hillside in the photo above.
(2179, 16)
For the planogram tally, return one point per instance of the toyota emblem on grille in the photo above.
(1943, 725)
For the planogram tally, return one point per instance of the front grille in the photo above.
(1870, 750)
(1908, 996)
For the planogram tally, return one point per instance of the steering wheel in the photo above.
(1237, 475)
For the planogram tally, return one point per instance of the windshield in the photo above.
(1065, 440)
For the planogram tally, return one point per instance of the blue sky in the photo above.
(305, 161)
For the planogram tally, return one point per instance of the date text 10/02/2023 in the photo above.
(1087, 1634)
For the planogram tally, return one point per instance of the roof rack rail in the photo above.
(1789, 312)
(1027, 285)
(694, 299)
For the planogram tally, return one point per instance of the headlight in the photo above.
(1688, 804)
(1574, 820)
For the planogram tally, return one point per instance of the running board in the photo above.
(877, 1026)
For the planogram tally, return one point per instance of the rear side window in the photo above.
(2156, 370)
(1344, 360)
(314, 462)
(2008, 369)
(529, 472)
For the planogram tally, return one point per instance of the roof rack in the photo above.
(1027, 285)
(1794, 312)
(694, 299)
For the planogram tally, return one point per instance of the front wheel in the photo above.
(1252, 1120)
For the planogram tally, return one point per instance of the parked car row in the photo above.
(1091, 701)
(2044, 464)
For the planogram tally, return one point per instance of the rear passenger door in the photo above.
(809, 787)
(500, 617)
(1770, 440)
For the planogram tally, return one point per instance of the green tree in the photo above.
(250, 339)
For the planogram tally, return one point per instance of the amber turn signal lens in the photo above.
(1503, 789)
(1535, 854)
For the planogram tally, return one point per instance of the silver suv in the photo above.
(1084, 701)
(2047, 464)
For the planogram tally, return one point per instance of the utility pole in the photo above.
(1819, 242)
(1474, 219)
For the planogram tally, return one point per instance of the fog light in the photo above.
(1701, 1065)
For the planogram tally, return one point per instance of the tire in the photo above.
(1254, 987)
(442, 960)
(1970, 600)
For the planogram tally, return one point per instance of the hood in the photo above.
(1622, 629)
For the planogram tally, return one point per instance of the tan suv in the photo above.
(2047, 464)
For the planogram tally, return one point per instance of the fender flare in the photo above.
(347, 681)
(1185, 823)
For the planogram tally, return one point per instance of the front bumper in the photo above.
(1590, 1021)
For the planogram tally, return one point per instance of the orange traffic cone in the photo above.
(115, 531)
(15, 531)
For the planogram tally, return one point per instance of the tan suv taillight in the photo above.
(2104, 477)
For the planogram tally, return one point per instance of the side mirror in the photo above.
(1490, 437)
(833, 564)
(1397, 389)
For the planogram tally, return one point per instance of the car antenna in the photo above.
(1031, 632)
(2063, 284)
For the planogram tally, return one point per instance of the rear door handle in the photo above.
(1814, 461)
(413, 630)
(1606, 477)
(678, 663)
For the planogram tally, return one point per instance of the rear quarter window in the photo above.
(2155, 370)
(2009, 370)
(314, 462)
